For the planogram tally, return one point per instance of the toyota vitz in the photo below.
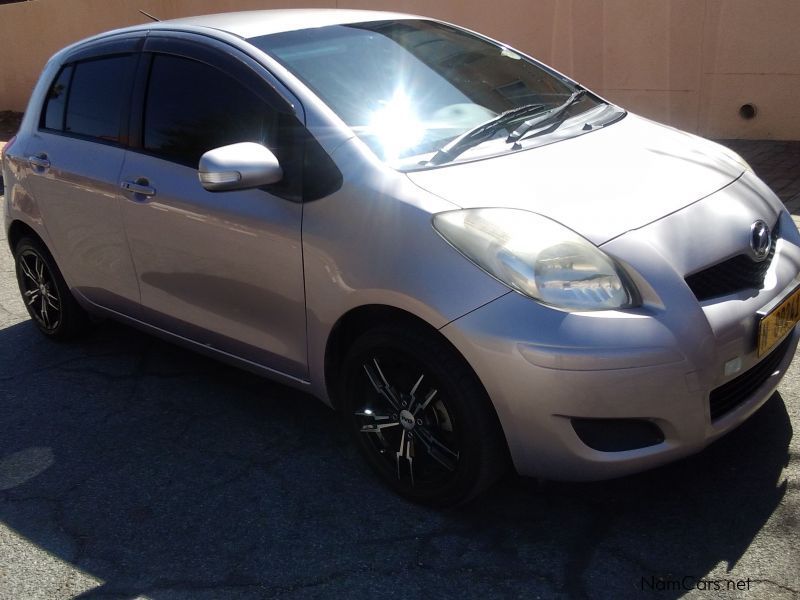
(475, 259)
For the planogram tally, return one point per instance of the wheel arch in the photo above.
(19, 229)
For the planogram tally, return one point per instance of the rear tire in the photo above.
(420, 416)
(46, 296)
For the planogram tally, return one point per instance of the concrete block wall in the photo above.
(689, 63)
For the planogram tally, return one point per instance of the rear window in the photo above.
(88, 98)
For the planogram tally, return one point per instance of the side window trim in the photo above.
(138, 100)
(118, 44)
(230, 60)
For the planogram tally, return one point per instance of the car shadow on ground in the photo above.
(166, 474)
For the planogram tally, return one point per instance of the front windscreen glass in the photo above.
(408, 88)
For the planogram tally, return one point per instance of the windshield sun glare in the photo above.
(409, 87)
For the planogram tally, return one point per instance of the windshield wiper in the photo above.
(551, 118)
(476, 135)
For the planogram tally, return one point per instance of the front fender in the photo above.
(373, 243)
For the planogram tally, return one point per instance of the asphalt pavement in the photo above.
(130, 468)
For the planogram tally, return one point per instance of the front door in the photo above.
(222, 269)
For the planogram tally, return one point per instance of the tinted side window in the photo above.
(56, 101)
(192, 107)
(96, 98)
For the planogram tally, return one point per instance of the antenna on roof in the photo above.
(149, 16)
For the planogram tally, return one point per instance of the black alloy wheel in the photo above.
(420, 416)
(45, 293)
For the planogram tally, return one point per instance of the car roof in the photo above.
(255, 23)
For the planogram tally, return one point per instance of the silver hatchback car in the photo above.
(478, 261)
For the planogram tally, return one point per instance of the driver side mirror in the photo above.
(238, 167)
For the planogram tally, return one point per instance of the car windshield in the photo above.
(408, 88)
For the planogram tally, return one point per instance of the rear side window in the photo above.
(88, 98)
(96, 98)
(192, 107)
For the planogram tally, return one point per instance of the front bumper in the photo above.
(658, 364)
(537, 388)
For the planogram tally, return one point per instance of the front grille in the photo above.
(733, 275)
(726, 397)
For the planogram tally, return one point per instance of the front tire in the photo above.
(46, 295)
(420, 416)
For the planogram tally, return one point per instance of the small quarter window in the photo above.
(56, 102)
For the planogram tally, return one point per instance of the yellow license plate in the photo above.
(779, 321)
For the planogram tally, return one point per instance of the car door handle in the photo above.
(140, 187)
(39, 161)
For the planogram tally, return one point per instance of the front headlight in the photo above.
(538, 257)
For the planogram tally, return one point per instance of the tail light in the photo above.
(6, 149)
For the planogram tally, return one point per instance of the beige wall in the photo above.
(691, 63)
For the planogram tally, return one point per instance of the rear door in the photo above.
(222, 269)
(76, 156)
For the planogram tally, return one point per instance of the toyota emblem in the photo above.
(760, 239)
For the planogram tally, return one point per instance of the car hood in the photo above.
(600, 184)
